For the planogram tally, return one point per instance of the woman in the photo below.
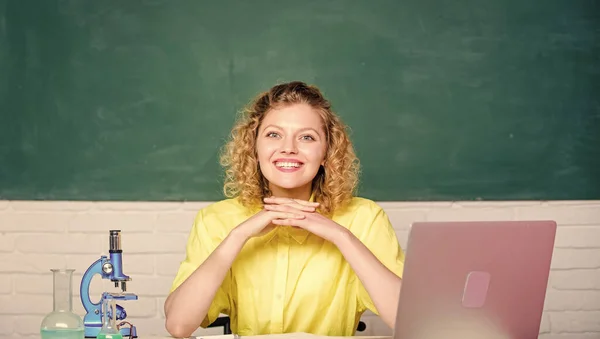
(291, 250)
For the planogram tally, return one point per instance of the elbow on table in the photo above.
(177, 328)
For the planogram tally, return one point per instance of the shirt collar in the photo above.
(283, 232)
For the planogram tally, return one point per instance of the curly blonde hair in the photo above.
(334, 183)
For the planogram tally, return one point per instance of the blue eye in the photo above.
(272, 135)
(308, 137)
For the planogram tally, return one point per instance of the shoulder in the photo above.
(367, 220)
(222, 216)
(223, 207)
(362, 207)
(361, 215)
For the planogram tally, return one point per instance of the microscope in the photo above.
(108, 268)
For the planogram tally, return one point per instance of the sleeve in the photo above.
(380, 238)
(201, 242)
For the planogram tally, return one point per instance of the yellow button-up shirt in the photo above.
(290, 280)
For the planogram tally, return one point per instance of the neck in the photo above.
(301, 193)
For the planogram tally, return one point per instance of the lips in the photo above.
(286, 161)
(287, 164)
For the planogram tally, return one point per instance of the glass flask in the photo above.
(109, 328)
(62, 322)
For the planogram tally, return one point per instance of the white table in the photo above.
(272, 336)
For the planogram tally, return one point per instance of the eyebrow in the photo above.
(300, 130)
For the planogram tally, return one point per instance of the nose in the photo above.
(289, 146)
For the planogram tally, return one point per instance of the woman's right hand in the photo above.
(261, 223)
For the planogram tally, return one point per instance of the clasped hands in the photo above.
(279, 211)
(303, 214)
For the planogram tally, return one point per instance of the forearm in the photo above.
(382, 284)
(188, 305)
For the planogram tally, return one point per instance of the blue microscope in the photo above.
(108, 268)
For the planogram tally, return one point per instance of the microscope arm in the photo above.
(84, 290)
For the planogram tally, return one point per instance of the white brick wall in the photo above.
(37, 236)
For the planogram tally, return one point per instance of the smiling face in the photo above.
(291, 146)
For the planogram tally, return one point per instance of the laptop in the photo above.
(475, 280)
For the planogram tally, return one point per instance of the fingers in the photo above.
(277, 200)
(287, 222)
(302, 205)
(285, 215)
(283, 212)
(289, 209)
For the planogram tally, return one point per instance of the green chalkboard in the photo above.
(447, 100)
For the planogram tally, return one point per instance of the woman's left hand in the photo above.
(313, 222)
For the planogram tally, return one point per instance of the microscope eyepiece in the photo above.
(114, 241)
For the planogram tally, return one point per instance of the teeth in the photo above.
(287, 164)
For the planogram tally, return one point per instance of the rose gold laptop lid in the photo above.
(475, 280)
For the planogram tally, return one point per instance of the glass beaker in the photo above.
(109, 328)
(62, 322)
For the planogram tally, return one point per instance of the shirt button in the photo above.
(278, 296)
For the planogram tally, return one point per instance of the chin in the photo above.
(288, 184)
